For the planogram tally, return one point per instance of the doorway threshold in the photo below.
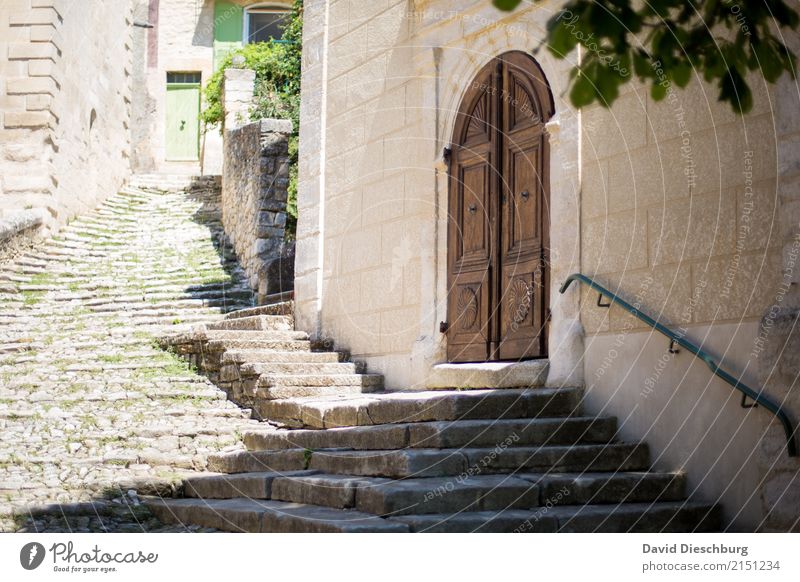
(488, 375)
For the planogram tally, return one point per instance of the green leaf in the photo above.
(582, 93)
(681, 74)
(658, 91)
(767, 60)
(642, 64)
(734, 90)
(506, 5)
(561, 40)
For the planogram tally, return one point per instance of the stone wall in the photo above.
(65, 135)
(777, 339)
(237, 96)
(254, 182)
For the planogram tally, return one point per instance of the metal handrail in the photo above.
(758, 397)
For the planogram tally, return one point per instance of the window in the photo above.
(184, 78)
(262, 23)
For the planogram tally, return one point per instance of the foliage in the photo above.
(277, 91)
(662, 42)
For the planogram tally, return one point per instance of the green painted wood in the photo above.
(228, 22)
(183, 122)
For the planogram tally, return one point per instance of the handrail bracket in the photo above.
(757, 397)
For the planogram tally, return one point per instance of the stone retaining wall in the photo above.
(64, 140)
(255, 178)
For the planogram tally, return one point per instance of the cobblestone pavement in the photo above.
(90, 408)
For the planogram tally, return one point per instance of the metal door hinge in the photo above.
(443, 326)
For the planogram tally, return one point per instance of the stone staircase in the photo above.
(340, 455)
(172, 182)
(258, 358)
(89, 404)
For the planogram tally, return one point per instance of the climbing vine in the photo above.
(277, 91)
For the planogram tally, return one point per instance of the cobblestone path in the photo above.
(90, 407)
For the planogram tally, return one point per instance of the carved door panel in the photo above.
(523, 279)
(497, 233)
(472, 221)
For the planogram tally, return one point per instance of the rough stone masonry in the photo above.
(254, 194)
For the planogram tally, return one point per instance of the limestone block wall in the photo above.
(65, 135)
(777, 343)
(680, 214)
(237, 96)
(312, 166)
(254, 182)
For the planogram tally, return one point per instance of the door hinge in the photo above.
(443, 326)
(447, 155)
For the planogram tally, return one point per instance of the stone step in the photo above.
(441, 434)
(403, 407)
(250, 515)
(440, 462)
(353, 386)
(266, 381)
(249, 485)
(271, 335)
(278, 346)
(234, 356)
(618, 487)
(283, 308)
(385, 497)
(149, 308)
(275, 371)
(255, 323)
(661, 517)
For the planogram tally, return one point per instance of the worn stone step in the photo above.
(267, 381)
(279, 346)
(441, 434)
(618, 487)
(185, 307)
(308, 370)
(248, 485)
(268, 394)
(250, 335)
(440, 462)
(403, 407)
(282, 308)
(234, 356)
(178, 299)
(250, 515)
(386, 497)
(662, 517)
(255, 323)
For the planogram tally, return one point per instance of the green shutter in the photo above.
(227, 29)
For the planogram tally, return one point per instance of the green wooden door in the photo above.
(227, 29)
(183, 121)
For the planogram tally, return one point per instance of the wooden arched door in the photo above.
(498, 215)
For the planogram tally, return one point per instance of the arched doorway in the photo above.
(498, 227)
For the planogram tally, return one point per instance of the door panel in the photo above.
(471, 236)
(498, 220)
(183, 122)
